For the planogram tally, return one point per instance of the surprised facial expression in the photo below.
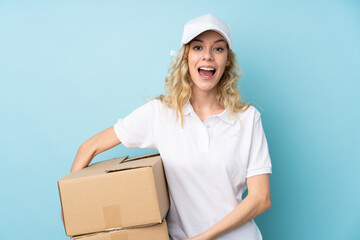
(207, 59)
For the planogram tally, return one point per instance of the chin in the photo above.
(206, 87)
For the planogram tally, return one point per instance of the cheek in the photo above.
(225, 63)
(222, 68)
(192, 65)
(193, 71)
(193, 58)
(191, 62)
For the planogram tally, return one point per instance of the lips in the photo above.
(206, 72)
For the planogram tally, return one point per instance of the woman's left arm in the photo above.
(256, 202)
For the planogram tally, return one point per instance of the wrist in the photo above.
(203, 236)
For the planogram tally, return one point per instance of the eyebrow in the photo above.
(198, 40)
(220, 40)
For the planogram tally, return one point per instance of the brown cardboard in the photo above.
(154, 232)
(117, 193)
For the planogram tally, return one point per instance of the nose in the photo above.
(208, 55)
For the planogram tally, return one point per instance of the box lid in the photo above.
(113, 165)
(131, 163)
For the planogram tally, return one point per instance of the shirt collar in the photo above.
(227, 117)
(188, 110)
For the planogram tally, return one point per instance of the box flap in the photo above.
(131, 163)
(141, 157)
(97, 168)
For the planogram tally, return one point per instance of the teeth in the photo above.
(207, 69)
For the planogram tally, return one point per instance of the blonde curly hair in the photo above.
(178, 85)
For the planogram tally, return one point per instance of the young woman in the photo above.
(212, 143)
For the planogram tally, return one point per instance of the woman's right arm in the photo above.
(99, 143)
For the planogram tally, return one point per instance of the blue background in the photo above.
(69, 69)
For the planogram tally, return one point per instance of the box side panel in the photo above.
(161, 188)
(61, 205)
(148, 198)
(79, 197)
(111, 200)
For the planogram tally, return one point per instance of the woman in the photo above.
(212, 144)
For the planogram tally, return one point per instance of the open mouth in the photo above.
(207, 72)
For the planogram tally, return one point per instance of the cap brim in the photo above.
(195, 34)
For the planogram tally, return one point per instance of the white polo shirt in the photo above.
(206, 163)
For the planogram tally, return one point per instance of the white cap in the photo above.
(198, 25)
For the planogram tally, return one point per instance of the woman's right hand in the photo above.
(99, 143)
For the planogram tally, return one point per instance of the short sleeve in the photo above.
(259, 158)
(136, 129)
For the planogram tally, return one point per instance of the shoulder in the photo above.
(250, 113)
(156, 104)
(148, 108)
(159, 108)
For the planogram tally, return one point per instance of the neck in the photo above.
(205, 104)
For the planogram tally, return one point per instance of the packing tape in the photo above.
(112, 217)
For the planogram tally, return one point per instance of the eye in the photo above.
(197, 48)
(219, 49)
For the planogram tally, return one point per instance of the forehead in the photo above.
(209, 36)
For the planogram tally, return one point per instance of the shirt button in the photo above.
(208, 125)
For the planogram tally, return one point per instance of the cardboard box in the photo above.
(154, 232)
(117, 193)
